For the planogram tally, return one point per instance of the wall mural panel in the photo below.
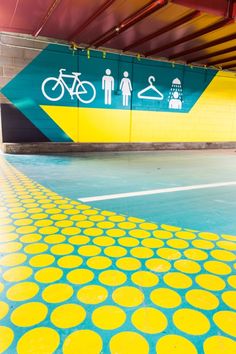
(92, 97)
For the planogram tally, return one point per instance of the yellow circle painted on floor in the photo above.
(128, 296)
(8, 237)
(68, 315)
(116, 218)
(62, 249)
(176, 243)
(139, 233)
(185, 235)
(229, 298)
(17, 273)
(128, 343)
(13, 259)
(195, 254)
(70, 261)
(208, 236)
(126, 225)
(42, 260)
(108, 317)
(57, 293)
(36, 248)
(93, 231)
(152, 242)
(217, 267)
(78, 217)
(22, 291)
(148, 226)
(229, 237)
(85, 224)
(142, 252)
(7, 336)
(174, 344)
(166, 298)
(77, 342)
(112, 277)
(149, 320)
(219, 344)
(128, 263)
(4, 308)
(10, 247)
(106, 225)
(89, 251)
(128, 241)
(99, 262)
(1, 287)
(202, 244)
(226, 321)
(103, 241)
(52, 239)
(29, 314)
(19, 215)
(187, 266)
(202, 299)
(64, 223)
(48, 275)
(115, 232)
(145, 279)
(115, 251)
(80, 276)
(210, 282)
(227, 245)
(30, 238)
(223, 255)
(162, 234)
(23, 222)
(39, 216)
(70, 231)
(232, 281)
(168, 253)
(158, 265)
(191, 321)
(40, 340)
(95, 217)
(48, 230)
(92, 294)
(42, 223)
(177, 280)
(79, 240)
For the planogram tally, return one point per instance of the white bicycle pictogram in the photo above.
(53, 88)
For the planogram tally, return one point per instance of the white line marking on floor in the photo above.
(156, 191)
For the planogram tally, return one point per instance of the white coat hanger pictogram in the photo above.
(152, 88)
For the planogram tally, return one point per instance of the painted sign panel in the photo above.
(59, 77)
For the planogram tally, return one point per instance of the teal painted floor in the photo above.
(93, 174)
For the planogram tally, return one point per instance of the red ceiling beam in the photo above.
(218, 41)
(165, 29)
(130, 21)
(222, 61)
(230, 66)
(211, 55)
(191, 36)
(93, 17)
(49, 13)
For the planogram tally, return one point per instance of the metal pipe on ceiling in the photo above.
(130, 21)
(211, 55)
(87, 22)
(163, 30)
(45, 19)
(204, 46)
(190, 37)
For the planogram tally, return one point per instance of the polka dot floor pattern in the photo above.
(75, 279)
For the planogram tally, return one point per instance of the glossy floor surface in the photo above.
(78, 279)
(94, 174)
